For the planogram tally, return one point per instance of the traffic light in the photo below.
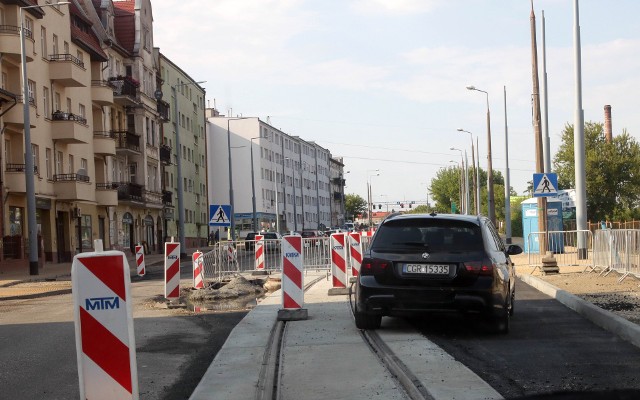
(410, 204)
(401, 205)
(379, 206)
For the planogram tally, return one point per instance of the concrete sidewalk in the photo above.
(55, 278)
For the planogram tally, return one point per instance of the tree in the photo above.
(354, 205)
(445, 188)
(612, 172)
(421, 209)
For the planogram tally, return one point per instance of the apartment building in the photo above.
(186, 120)
(95, 124)
(288, 177)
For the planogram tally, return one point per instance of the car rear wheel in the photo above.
(367, 321)
(501, 320)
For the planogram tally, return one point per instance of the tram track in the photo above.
(268, 387)
(269, 381)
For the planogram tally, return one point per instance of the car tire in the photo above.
(513, 303)
(367, 321)
(500, 321)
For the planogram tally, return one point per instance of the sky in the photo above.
(382, 83)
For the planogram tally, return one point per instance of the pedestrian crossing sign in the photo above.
(219, 215)
(545, 185)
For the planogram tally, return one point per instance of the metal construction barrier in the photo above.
(229, 258)
(570, 248)
(617, 250)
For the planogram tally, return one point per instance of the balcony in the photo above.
(167, 198)
(14, 178)
(125, 90)
(163, 109)
(73, 187)
(152, 199)
(67, 70)
(69, 128)
(102, 93)
(107, 194)
(131, 192)
(10, 43)
(165, 154)
(15, 115)
(104, 143)
(127, 142)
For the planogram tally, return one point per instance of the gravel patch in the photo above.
(621, 298)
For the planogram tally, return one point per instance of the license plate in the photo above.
(429, 269)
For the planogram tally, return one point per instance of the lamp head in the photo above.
(471, 87)
(460, 130)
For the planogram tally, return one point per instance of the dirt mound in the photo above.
(236, 287)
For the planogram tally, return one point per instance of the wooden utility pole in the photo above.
(537, 130)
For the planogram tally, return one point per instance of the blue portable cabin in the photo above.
(554, 223)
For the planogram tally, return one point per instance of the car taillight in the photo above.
(479, 267)
(373, 266)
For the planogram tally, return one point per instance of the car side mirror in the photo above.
(513, 249)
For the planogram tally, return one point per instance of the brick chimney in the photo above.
(608, 134)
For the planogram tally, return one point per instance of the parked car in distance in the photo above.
(314, 237)
(423, 263)
(270, 240)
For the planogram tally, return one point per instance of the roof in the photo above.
(86, 40)
(457, 217)
(124, 23)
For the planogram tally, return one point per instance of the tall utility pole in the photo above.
(537, 131)
(545, 102)
(507, 182)
(578, 143)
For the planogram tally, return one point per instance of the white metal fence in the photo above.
(617, 250)
(570, 248)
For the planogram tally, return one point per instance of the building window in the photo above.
(16, 216)
(56, 101)
(43, 41)
(35, 151)
(47, 161)
(82, 111)
(59, 163)
(45, 99)
(32, 91)
(87, 241)
(84, 165)
(70, 166)
(55, 44)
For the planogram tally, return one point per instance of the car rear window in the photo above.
(270, 236)
(428, 234)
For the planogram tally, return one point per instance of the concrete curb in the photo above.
(619, 326)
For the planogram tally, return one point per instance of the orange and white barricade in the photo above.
(105, 342)
(292, 264)
(140, 260)
(259, 252)
(172, 270)
(198, 270)
(355, 253)
(338, 260)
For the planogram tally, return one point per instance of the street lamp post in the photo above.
(369, 193)
(507, 183)
(253, 190)
(181, 212)
(475, 173)
(490, 199)
(464, 200)
(460, 184)
(30, 190)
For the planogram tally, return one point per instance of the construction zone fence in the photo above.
(569, 248)
(229, 258)
(617, 250)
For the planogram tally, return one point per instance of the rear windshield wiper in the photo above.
(414, 244)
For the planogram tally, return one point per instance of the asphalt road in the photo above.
(174, 347)
(550, 348)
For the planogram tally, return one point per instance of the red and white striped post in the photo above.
(105, 342)
(355, 250)
(140, 260)
(172, 270)
(198, 272)
(338, 264)
(292, 280)
(259, 252)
